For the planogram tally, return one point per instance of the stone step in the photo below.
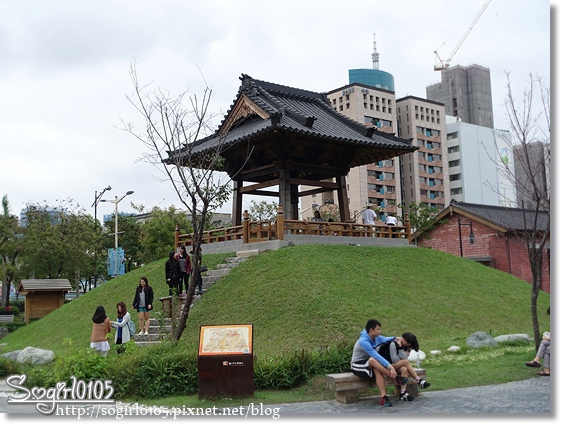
(146, 343)
(247, 253)
(160, 328)
(217, 273)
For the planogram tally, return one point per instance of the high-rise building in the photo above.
(424, 172)
(532, 173)
(375, 184)
(466, 92)
(480, 164)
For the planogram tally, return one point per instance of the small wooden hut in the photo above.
(43, 296)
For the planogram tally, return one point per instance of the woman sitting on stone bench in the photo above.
(396, 352)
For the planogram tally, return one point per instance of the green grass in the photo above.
(315, 296)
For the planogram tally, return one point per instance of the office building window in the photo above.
(454, 163)
(456, 191)
(454, 135)
(453, 149)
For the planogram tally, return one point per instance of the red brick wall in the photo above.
(508, 253)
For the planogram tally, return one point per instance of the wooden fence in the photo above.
(265, 230)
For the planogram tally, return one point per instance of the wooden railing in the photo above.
(265, 230)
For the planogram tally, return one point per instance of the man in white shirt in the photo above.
(369, 216)
(391, 220)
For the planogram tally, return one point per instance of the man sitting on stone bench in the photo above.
(366, 361)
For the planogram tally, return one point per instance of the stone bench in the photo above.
(347, 385)
(6, 318)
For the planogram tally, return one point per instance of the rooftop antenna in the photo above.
(375, 54)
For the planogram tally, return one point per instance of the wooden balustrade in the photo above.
(265, 230)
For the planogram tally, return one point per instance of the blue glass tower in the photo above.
(372, 77)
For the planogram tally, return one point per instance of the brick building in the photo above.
(494, 232)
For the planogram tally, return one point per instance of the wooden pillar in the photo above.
(408, 228)
(177, 236)
(237, 203)
(342, 198)
(285, 192)
(294, 201)
(280, 224)
(246, 227)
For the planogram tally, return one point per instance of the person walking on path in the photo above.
(367, 362)
(144, 296)
(122, 335)
(100, 328)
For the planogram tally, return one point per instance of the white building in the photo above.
(477, 159)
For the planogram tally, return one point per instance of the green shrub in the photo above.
(11, 309)
(13, 326)
(20, 304)
(8, 367)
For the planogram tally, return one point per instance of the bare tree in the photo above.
(172, 135)
(530, 146)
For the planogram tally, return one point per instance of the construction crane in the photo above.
(440, 64)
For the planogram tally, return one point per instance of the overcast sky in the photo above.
(64, 72)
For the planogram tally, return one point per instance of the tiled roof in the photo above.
(44, 285)
(304, 114)
(507, 218)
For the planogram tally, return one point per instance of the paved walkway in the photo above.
(529, 397)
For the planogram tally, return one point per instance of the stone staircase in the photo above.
(160, 328)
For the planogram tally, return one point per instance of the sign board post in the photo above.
(225, 361)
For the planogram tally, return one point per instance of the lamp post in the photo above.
(97, 199)
(470, 237)
(116, 202)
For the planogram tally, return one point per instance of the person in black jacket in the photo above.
(173, 273)
(144, 296)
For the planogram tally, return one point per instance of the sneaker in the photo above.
(406, 397)
(385, 401)
(423, 384)
(141, 333)
(401, 380)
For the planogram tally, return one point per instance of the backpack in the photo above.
(132, 328)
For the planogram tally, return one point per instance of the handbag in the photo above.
(202, 268)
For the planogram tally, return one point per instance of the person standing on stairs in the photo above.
(172, 270)
(185, 269)
(202, 268)
(144, 296)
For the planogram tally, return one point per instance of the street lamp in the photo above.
(116, 202)
(470, 237)
(97, 199)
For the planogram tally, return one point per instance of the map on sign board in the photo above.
(225, 339)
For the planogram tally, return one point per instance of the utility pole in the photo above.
(97, 199)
